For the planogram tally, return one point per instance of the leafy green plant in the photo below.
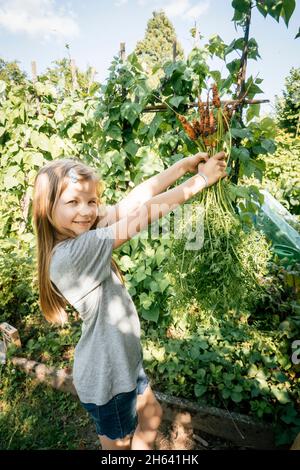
(282, 171)
(211, 329)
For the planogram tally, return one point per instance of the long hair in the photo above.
(49, 184)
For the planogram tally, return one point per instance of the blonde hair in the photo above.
(49, 184)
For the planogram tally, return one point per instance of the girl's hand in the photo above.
(191, 163)
(214, 168)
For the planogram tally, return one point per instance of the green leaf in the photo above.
(253, 90)
(275, 10)
(216, 46)
(241, 154)
(10, 182)
(199, 390)
(226, 84)
(58, 116)
(140, 275)
(253, 49)
(131, 111)
(154, 286)
(234, 66)
(145, 300)
(131, 148)
(242, 6)
(216, 75)
(39, 140)
(160, 255)
(236, 397)
(268, 126)
(253, 111)
(203, 344)
(280, 377)
(114, 114)
(298, 34)
(262, 8)
(114, 132)
(37, 159)
(56, 146)
(241, 133)
(252, 371)
(152, 314)
(281, 395)
(74, 129)
(176, 100)
(155, 123)
(234, 45)
(288, 8)
(268, 145)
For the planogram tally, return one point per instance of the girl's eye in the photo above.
(93, 202)
(70, 202)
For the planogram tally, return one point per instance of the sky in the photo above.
(40, 29)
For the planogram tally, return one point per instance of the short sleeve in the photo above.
(90, 256)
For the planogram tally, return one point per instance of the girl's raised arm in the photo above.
(162, 204)
(150, 188)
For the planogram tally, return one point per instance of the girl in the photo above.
(75, 267)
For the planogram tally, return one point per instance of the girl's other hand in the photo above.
(214, 168)
(193, 162)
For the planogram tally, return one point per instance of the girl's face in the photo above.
(77, 207)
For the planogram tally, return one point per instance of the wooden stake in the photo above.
(34, 80)
(163, 107)
(122, 52)
(33, 71)
(174, 50)
(74, 76)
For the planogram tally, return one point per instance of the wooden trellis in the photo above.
(163, 107)
(148, 109)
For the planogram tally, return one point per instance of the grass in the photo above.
(34, 416)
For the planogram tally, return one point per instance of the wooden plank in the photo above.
(10, 335)
(235, 427)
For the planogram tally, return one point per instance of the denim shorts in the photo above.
(118, 417)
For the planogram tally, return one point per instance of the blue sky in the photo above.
(39, 29)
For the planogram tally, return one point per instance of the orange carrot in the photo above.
(190, 131)
(197, 127)
(216, 98)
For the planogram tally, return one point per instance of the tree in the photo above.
(157, 45)
(61, 75)
(288, 107)
(11, 72)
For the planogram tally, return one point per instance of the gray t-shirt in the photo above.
(108, 356)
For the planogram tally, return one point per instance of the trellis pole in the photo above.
(74, 75)
(122, 52)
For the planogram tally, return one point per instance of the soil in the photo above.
(169, 437)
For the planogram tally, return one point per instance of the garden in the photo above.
(220, 322)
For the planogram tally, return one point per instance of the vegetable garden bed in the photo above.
(234, 427)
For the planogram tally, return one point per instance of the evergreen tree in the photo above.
(288, 107)
(157, 45)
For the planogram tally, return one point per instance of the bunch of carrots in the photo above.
(211, 133)
(213, 122)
